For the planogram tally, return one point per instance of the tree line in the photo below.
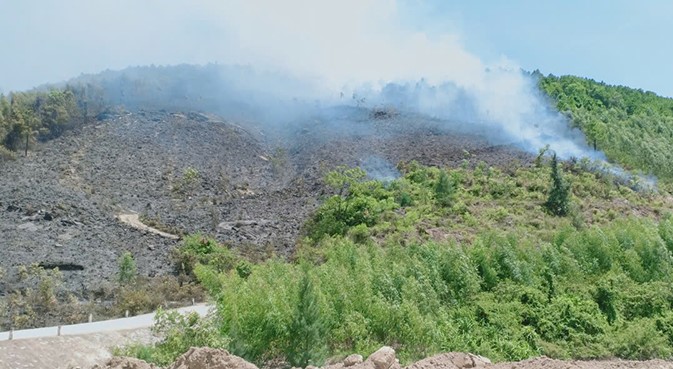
(633, 127)
(26, 117)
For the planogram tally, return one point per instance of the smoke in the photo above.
(304, 55)
(358, 49)
(379, 169)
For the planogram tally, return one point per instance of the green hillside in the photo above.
(633, 127)
(449, 260)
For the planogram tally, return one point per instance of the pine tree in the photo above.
(307, 329)
(558, 202)
(445, 189)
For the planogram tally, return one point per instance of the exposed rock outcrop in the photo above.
(208, 358)
(451, 360)
(125, 363)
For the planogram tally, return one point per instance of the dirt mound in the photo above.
(207, 358)
(384, 358)
(451, 360)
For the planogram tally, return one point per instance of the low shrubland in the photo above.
(460, 260)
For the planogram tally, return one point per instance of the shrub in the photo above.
(128, 271)
(306, 331)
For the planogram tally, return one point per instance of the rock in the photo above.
(384, 358)
(451, 360)
(30, 227)
(208, 358)
(125, 363)
(352, 360)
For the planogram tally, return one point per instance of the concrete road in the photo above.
(135, 322)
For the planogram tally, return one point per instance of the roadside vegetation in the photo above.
(470, 259)
(41, 298)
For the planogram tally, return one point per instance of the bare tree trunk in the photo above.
(27, 138)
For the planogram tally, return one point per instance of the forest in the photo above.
(632, 127)
(42, 114)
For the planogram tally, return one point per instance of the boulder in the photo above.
(383, 358)
(208, 358)
(451, 360)
(353, 360)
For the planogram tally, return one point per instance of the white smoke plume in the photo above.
(337, 49)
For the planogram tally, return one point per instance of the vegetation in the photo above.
(558, 202)
(633, 127)
(554, 259)
(182, 332)
(26, 117)
(490, 272)
(127, 269)
(42, 300)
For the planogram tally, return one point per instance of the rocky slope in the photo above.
(77, 202)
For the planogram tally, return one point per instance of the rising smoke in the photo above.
(358, 49)
(301, 55)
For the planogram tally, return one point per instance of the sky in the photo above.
(341, 42)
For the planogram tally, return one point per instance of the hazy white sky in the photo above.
(346, 41)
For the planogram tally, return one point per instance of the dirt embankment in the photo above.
(384, 358)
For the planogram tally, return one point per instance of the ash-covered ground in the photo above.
(251, 186)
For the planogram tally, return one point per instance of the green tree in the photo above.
(558, 202)
(445, 189)
(307, 329)
(127, 269)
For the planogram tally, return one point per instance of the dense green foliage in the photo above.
(634, 128)
(28, 116)
(181, 332)
(404, 269)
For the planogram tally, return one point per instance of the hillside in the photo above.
(337, 228)
(633, 127)
(62, 206)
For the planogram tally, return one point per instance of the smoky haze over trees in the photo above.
(280, 98)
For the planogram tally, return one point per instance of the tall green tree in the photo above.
(558, 201)
(445, 189)
(307, 330)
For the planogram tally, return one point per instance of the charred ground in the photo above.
(250, 186)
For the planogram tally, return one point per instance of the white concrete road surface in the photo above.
(135, 322)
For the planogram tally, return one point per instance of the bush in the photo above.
(179, 332)
(640, 340)
(128, 271)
